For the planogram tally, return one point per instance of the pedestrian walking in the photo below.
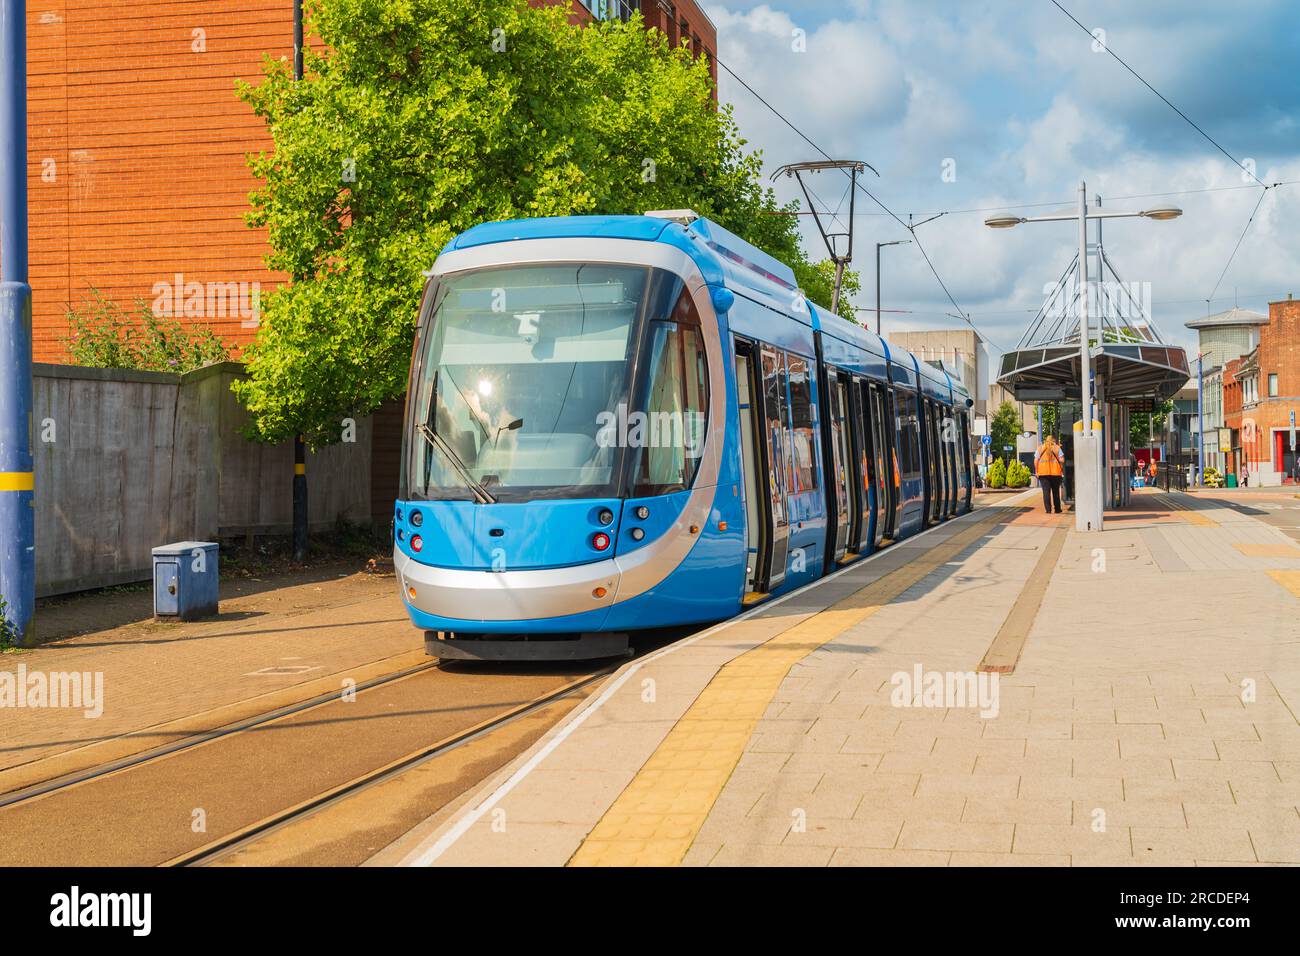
(1049, 463)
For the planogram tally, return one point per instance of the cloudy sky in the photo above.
(1012, 98)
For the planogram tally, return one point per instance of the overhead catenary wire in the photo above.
(870, 195)
(1215, 143)
(1062, 202)
(1106, 47)
(1235, 248)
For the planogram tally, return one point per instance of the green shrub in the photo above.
(8, 637)
(1017, 475)
(997, 474)
(104, 335)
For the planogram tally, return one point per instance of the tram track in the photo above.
(232, 843)
(65, 781)
(200, 799)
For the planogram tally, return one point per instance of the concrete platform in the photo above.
(1139, 696)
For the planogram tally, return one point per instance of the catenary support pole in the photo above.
(17, 484)
(299, 446)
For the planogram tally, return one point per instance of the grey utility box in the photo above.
(185, 580)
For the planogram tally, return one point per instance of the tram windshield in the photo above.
(515, 371)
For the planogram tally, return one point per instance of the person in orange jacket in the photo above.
(1049, 463)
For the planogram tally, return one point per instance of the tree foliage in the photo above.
(1005, 429)
(1143, 427)
(997, 477)
(426, 117)
(102, 334)
(1017, 474)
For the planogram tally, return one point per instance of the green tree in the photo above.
(426, 117)
(1005, 429)
(1142, 426)
(102, 334)
(817, 280)
(1049, 418)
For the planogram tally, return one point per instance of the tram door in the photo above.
(952, 445)
(761, 394)
(862, 469)
(841, 457)
(931, 472)
(886, 466)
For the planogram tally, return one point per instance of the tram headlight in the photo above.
(638, 534)
(417, 517)
(605, 516)
(643, 512)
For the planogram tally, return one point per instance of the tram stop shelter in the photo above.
(1134, 369)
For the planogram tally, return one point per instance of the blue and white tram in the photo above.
(627, 422)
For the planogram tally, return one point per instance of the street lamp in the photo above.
(879, 246)
(1088, 452)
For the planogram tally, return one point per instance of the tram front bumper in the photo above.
(506, 596)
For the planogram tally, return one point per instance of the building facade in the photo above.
(137, 178)
(1221, 339)
(1213, 450)
(1261, 397)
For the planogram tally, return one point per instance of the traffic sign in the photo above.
(986, 440)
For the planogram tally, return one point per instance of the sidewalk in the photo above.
(163, 681)
(1136, 720)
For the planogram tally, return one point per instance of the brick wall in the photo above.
(683, 19)
(1279, 354)
(136, 142)
(1261, 427)
(136, 171)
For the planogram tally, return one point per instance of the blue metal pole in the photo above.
(17, 514)
(1200, 418)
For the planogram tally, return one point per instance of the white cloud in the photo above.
(1018, 99)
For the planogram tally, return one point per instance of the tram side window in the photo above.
(801, 414)
(676, 405)
(774, 417)
(909, 435)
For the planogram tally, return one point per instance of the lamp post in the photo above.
(1200, 418)
(1088, 502)
(879, 246)
(17, 484)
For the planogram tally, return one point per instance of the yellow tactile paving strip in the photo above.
(1186, 513)
(1288, 579)
(655, 819)
(1268, 550)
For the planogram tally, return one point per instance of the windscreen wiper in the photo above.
(481, 494)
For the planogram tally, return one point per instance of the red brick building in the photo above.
(136, 174)
(1261, 390)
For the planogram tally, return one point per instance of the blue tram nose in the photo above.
(509, 536)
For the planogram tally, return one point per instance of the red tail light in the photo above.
(417, 543)
(600, 541)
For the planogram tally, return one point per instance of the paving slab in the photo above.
(1138, 724)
